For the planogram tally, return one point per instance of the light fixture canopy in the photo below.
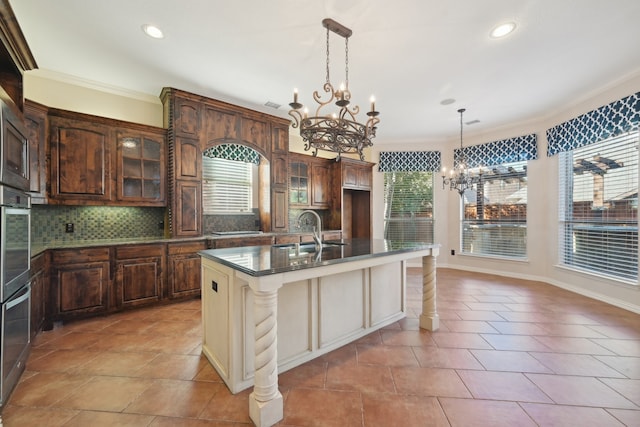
(338, 132)
(460, 179)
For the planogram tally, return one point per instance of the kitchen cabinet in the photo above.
(139, 276)
(279, 185)
(183, 269)
(37, 122)
(80, 282)
(39, 293)
(81, 161)
(195, 123)
(141, 173)
(351, 198)
(100, 161)
(309, 182)
(355, 174)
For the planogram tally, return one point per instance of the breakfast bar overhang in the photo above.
(267, 309)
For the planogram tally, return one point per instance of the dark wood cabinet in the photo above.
(320, 184)
(80, 282)
(279, 185)
(139, 278)
(195, 123)
(100, 161)
(81, 161)
(39, 293)
(141, 173)
(351, 198)
(37, 123)
(355, 174)
(309, 182)
(183, 264)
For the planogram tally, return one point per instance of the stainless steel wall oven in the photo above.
(15, 289)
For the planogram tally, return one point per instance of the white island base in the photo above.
(257, 326)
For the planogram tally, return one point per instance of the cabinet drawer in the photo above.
(138, 251)
(67, 256)
(185, 248)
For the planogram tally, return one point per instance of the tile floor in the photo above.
(508, 353)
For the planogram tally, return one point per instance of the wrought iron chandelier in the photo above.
(460, 179)
(339, 131)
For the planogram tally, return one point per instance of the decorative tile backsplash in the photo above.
(48, 223)
(244, 222)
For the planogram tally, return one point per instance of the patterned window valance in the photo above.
(498, 152)
(236, 152)
(409, 161)
(605, 122)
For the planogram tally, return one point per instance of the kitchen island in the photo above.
(267, 309)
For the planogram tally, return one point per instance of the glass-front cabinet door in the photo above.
(141, 175)
(299, 183)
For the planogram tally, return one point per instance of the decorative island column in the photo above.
(429, 318)
(266, 406)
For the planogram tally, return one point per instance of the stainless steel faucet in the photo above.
(317, 231)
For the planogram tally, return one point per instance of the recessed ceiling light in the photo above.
(502, 30)
(152, 31)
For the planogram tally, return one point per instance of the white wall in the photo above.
(542, 208)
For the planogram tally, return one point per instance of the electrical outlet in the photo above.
(453, 251)
(69, 228)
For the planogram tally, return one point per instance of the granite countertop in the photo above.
(39, 247)
(265, 260)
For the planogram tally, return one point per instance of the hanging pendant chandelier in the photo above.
(460, 178)
(337, 131)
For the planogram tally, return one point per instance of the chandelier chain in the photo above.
(346, 62)
(328, 81)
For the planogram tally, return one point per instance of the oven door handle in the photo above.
(20, 299)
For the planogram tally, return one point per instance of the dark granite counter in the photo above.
(265, 260)
(39, 247)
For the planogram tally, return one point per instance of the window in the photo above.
(599, 207)
(226, 186)
(495, 214)
(408, 206)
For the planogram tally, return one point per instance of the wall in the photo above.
(542, 209)
(74, 94)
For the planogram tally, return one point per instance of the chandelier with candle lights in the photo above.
(460, 179)
(337, 131)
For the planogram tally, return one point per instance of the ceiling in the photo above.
(411, 54)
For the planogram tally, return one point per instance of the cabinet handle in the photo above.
(214, 285)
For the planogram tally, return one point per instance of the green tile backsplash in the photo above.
(94, 223)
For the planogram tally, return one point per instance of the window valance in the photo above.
(236, 152)
(605, 122)
(498, 152)
(409, 161)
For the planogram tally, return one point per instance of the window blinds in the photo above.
(598, 222)
(495, 213)
(408, 206)
(226, 186)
